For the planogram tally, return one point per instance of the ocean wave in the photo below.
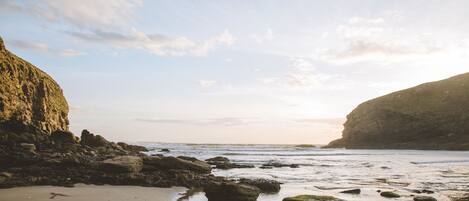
(299, 154)
(435, 162)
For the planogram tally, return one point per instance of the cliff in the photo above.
(433, 115)
(28, 96)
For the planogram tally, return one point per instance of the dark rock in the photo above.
(165, 150)
(272, 164)
(429, 116)
(389, 194)
(172, 163)
(132, 148)
(64, 137)
(218, 159)
(312, 198)
(427, 191)
(4, 177)
(225, 164)
(353, 191)
(266, 185)
(89, 139)
(230, 191)
(28, 96)
(424, 198)
(27, 147)
(122, 164)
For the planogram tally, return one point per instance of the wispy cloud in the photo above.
(43, 48)
(155, 43)
(84, 14)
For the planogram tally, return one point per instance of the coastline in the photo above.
(83, 192)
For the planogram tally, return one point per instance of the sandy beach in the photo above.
(82, 192)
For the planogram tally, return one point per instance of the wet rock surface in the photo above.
(265, 185)
(389, 194)
(424, 198)
(231, 191)
(224, 163)
(312, 198)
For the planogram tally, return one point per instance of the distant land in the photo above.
(433, 115)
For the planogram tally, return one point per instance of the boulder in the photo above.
(224, 163)
(28, 96)
(122, 164)
(218, 159)
(64, 137)
(272, 164)
(389, 194)
(312, 198)
(265, 185)
(230, 191)
(172, 163)
(92, 140)
(132, 148)
(433, 115)
(424, 198)
(4, 177)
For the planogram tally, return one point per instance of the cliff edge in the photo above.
(433, 115)
(28, 96)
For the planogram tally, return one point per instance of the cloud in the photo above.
(155, 43)
(267, 36)
(43, 48)
(226, 121)
(207, 83)
(82, 14)
(302, 75)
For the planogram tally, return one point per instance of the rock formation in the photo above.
(28, 96)
(433, 115)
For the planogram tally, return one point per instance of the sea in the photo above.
(330, 171)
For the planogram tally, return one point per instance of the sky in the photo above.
(270, 72)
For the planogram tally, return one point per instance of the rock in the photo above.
(389, 194)
(427, 191)
(28, 96)
(164, 150)
(312, 198)
(424, 198)
(265, 185)
(64, 137)
(464, 197)
(91, 140)
(132, 148)
(230, 191)
(353, 191)
(224, 163)
(27, 147)
(4, 177)
(218, 159)
(272, 164)
(172, 163)
(131, 164)
(429, 116)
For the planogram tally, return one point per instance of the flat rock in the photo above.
(172, 163)
(230, 191)
(312, 198)
(389, 194)
(266, 185)
(352, 191)
(131, 164)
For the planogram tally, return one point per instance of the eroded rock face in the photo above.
(28, 96)
(433, 115)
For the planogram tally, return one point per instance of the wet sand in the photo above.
(82, 192)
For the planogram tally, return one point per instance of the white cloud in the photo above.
(43, 48)
(155, 43)
(207, 83)
(268, 35)
(91, 14)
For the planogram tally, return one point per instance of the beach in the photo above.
(82, 192)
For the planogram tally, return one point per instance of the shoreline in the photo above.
(84, 192)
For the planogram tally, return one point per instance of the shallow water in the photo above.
(329, 171)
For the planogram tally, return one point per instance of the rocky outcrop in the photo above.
(433, 115)
(312, 198)
(230, 191)
(28, 96)
(224, 163)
